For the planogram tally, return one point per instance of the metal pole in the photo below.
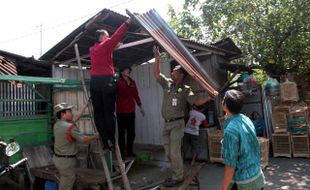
(41, 39)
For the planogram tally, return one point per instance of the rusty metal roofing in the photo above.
(63, 52)
(7, 67)
(84, 36)
(164, 35)
(27, 65)
(225, 45)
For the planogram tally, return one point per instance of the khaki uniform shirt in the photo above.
(62, 145)
(175, 98)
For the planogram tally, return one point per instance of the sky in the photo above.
(22, 20)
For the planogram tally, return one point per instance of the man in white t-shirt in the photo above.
(191, 135)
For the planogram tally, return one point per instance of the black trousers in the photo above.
(103, 94)
(126, 124)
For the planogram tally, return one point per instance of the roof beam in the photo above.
(190, 45)
(135, 43)
(202, 54)
(127, 45)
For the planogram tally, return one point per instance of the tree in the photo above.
(185, 23)
(267, 31)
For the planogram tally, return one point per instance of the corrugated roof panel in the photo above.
(163, 34)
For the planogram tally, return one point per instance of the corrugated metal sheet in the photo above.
(74, 96)
(163, 34)
(226, 46)
(26, 65)
(149, 128)
(7, 67)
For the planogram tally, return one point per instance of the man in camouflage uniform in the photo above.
(176, 95)
(65, 147)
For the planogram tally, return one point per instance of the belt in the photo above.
(65, 156)
(173, 119)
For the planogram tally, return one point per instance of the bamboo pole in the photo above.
(122, 167)
(102, 156)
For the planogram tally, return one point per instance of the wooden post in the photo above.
(104, 163)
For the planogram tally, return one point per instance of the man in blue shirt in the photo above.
(240, 147)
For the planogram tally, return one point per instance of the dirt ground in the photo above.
(281, 174)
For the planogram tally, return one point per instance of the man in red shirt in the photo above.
(103, 82)
(126, 97)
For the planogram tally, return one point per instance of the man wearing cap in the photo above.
(176, 96)
(65, 146)
(103, 82)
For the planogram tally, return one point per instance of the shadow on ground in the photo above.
(285, 173)
(281, 174)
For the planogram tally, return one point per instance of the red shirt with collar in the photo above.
(126, 96)
(101, 53)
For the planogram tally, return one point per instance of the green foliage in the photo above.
(185, 24)
(260, 76)
(263, 29)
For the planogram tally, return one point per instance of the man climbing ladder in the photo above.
(103, 94)
(103, 82)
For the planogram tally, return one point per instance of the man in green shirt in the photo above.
(175, 98)
(65, 147)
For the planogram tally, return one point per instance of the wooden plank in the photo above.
(190, 173)
(45, 172)
(38, 156)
